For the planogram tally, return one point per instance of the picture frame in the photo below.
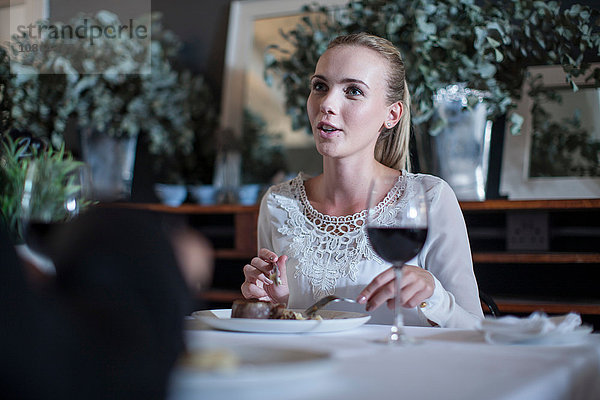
(515, 180)
(19, 12)
(242, 15)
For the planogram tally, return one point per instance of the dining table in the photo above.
(354, 364)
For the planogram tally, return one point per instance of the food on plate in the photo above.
(252, 308)
(256, 309)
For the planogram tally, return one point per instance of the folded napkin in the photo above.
(537, 327)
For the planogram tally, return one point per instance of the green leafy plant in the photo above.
(34, 97)
(13, 167)
(121, 87)
(559, 147)
(487, 47)
(262, 156)
(15, 158)
(192, 159)
(137, 91)
(98, 81)
(5, 77)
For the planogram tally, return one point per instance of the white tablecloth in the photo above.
(447, 364)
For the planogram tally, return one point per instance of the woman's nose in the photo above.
(329, 104)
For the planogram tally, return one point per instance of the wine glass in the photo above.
(397, 228)
(54, 193)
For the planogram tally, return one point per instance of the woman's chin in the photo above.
(328, 150)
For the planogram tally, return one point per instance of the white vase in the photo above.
(459, 152)
(111, 162)
(227, 176)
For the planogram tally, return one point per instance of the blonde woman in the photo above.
(313, 227)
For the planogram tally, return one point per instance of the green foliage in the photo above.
(487, 47)
(36, 100)
(193, 159)
(15, 157)
(5, 77)
(559, 148)
(569, 147)
(261, 157)
(13, 167)
(137, 91)
(310, 39)
(118, 86)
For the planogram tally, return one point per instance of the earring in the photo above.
(388, 124)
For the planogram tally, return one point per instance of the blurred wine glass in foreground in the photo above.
(54, 192)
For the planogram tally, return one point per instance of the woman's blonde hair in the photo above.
(392, 148)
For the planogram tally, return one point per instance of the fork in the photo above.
(310, 311)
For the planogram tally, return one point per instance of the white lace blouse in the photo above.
(332, 255)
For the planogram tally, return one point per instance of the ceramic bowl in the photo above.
(203, 194)
(171, 195)
(248, 194)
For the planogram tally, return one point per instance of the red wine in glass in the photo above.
(397, 245)
(39, 235)
(54, 193)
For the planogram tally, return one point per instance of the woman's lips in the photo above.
(327, 130)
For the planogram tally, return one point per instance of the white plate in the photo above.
(257, 365)
(333, 321)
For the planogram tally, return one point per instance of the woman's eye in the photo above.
(318, 86)
(354, 91)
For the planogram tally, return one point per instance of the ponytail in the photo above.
(393, 145)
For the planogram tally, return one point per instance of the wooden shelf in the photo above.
(220, 296)
(490, 205)
(487, 205)
(244, 221)
(537, 258)
(188, 208)
(233, 253)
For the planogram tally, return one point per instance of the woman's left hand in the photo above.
(416, 286)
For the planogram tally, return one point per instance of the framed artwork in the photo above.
(253, 25)
(526, 174)
(19, 12)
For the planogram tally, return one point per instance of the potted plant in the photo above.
(447, 42)
(5, 119)
(262, 158)
(484, 47)
(117, 89)
(34, 96)
(192, 158)
(16, 155)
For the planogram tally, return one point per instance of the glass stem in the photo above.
(397, 332)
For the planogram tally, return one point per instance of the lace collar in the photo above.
(328, 247)
(324, 221)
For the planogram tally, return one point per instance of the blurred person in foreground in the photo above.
(109, 325)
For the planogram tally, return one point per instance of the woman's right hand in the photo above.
(258, 285)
